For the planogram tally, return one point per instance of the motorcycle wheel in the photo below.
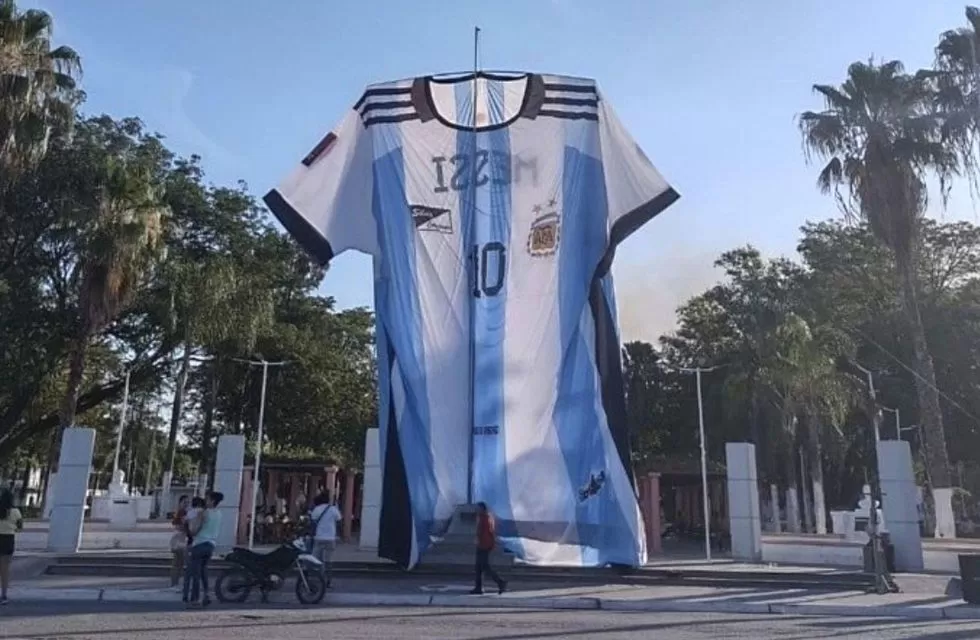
(232, 586)
(313, 591)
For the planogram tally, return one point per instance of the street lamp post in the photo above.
(122, 425)
(874, 400)
(265, 364)
(697, 371)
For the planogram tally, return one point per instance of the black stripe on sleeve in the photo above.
(302, 231)
(382, 91)
(387, 119)
(573, 102)
(570, 88)
(380, 106)
(569, 115)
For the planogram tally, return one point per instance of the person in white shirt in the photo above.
(324, 519)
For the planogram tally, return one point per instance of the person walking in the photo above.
(323, 522)
(205, 529)
(486, 540)
(11, 522)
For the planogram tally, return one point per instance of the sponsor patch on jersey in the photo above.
(592, 487)
(545, 232)
(428, 218)
(320, 149)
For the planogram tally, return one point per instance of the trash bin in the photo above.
(970, 577)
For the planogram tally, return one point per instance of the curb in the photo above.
(956, 612)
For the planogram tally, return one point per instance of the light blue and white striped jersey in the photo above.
(492, 207)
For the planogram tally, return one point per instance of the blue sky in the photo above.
(709, 88)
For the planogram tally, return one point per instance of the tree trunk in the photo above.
(25, 481)
(756, 431)
(185, 363)
(815, 464)
(777, 522)
(69, 405)
(808, 525)
(792, 495)
(930, 411)
(210, 400)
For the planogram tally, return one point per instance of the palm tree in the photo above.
(119, 244)
(37, 87)
(882, 139)
(811, 392)
(200, 312)
(958, 76)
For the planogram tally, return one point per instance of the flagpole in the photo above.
(472, 265)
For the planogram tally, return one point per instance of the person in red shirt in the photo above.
(486, 540)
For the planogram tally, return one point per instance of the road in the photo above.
(51, 621)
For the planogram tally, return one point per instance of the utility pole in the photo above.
(883, 579)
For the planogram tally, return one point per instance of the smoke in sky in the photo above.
(648, 293)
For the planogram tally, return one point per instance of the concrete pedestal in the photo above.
(371, 499)
(228, 480)
(123, 512)
(70, 489)
(898, 491)
(743, 502)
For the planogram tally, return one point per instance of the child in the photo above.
(197, 505)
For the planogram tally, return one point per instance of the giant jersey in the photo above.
(492, 207)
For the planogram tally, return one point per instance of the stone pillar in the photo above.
(294, 488)
(311, 490)
(898, 492)
(652, 500)
(245, 508)
(330, 482)
(349, 479)
(371, 500)
(228, 467)
(272, 490)
(69, 491)
(743, 502)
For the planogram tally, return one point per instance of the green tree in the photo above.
(119, 233)
(882, 140)
(37, 88)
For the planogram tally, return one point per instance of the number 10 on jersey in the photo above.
(488, 262)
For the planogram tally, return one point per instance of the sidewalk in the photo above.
(422, 593)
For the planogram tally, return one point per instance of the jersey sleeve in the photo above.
(635, 190)
(325, 203)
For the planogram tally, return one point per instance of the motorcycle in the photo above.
(267, 572)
